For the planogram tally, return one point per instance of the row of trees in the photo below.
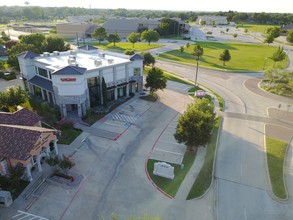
(37, 43)
(147, 35)
(11, 98)
(54, 13)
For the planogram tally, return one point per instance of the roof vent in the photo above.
(46, 54)
(56, 53)
(102, 55)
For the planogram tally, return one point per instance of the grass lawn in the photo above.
(122, 46)
(204, 178)
(262, 28)
(15, 191)
(275, 154)
(68, 135)
(167, 185)
(244, 57)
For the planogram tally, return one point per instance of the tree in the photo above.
(275, 31)
(225, 56)
(11, 98)
(196, 123)
(289, 37)
(114, 38)
(181, 49)
(278, 56)
(155, 80)
(150, 36)
(55, 43)
(235, 35)
(148, 59)
(187, 45)
(133, 38)
(197, 52)
(100, 34)
(104, 92)
(269, 39)
(202, 22)
(37, 40)
(17, 49)
(10, 43)
(227, 29)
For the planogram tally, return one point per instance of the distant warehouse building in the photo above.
(219, 20)
(73, 80)
(79, 30)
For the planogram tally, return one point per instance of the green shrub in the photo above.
(129, 52)
(9, 77)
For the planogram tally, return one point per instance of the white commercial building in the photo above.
(218, 20)
(73, 80)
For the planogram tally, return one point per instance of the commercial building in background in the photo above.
(219, 20)
(23, 142)
(72, 80)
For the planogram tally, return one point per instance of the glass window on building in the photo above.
(110, 95)
(136, 72)
(42, 72)
(94, 91)
(37, 91)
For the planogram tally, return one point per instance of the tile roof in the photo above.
(28, 54)
(42, 82)
(23, 117)
(16, 143)
(70, 70)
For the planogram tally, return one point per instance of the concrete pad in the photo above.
(169, 146)
(166, 156)
(109, 128)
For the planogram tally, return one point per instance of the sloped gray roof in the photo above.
(87, 47)
(130, 25)
(91, 29)
(136, 57)
(70, 70)
(28, 54)
(42, 82)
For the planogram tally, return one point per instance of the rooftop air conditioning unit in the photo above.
(102, 55)
(56, 53)
(98, 62)
(72, 52)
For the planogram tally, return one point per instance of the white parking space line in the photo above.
(26, 215)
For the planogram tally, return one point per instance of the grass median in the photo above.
(244, 57)
(275, 157)
(204, 178)
(167, 185)
(122, 46)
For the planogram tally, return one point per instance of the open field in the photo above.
(244, 57)
(262, 28)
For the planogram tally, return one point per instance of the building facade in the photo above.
(218, 20)
(73, 80)
(23, 142)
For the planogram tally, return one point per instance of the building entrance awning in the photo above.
(42, 83)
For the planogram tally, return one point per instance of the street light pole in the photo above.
(196, 72)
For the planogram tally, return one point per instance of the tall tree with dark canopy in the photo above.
(114, 38)
(133, 38)
(225, 56)
(150, 36)
(155, 80)
(196, 123)
(100, 34)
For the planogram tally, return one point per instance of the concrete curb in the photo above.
(270, 192)
(284, 166)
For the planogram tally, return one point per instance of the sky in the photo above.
(280, 6)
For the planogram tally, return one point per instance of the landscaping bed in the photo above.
(14, 190)
(68, 180)
(167, 185)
